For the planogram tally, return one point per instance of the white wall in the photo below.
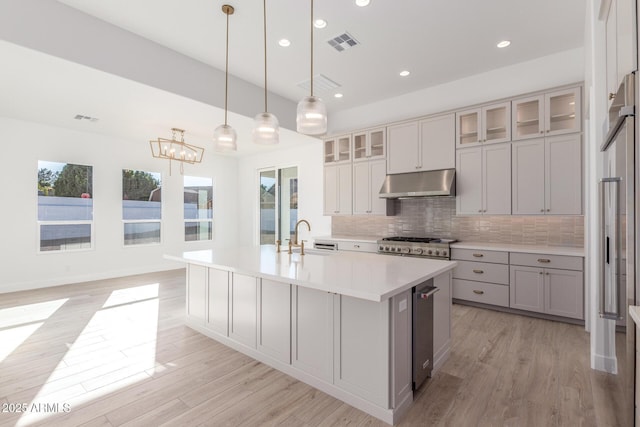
(308, 158)
(26, 142)
(538, 74)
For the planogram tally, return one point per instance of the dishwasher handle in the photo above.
(427, 294)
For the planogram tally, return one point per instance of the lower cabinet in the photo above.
(312, 332)
(527, 288)
(274, 319)
(242, 309)
(218, 298)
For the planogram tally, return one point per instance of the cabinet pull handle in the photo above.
(611, 95)
(546, 273)
(541, 210)
(356, 246)
(480, 210)
(548, 210)
(541, 131)
(541, 273)
(478, 271)
(544, 260)
(478, 255)
(475, 291)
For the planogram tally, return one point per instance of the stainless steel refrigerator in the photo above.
(619, 240)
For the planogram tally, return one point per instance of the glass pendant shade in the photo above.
(311, 118)
(266, 129)
(224, 138)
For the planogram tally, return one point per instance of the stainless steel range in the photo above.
(423, 247)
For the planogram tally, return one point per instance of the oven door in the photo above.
(422, 332)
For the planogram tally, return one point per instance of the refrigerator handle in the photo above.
(605, 248)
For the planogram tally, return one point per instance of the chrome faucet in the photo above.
(295, 236)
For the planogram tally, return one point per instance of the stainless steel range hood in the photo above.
(419, 184)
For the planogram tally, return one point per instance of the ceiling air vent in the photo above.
(321, 84)
(88, 118)
(342, 42)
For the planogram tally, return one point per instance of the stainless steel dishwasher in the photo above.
(422, 332)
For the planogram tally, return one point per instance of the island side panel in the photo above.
(362, 348)
(442, 319)
(274, 319)
(243, 309)
(401, 354)
(218, 296)
(196, 293)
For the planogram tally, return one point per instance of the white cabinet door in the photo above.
(312, 332)
(196, 293)
(274, 319)
(438, 143)
(469, 181)
(377, 174)
(564, 293)
(330, 190)
(527, 117)
(442, 318)
(496, 182)
(611, 51)
(528, 177)
(625, 38)
(563, 167)
(361, 188)
(242, 315)
(496, 123)
(563, 111)
(344, 189)
(218, 296)
(369, 144)
(468, 128)
(402, 148)
(526, 288)
(361, 348)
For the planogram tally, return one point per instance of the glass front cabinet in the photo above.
(337, 149)
(485, 125)
(369, 144)
(554, 113)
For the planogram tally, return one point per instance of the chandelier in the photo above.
(174, 149)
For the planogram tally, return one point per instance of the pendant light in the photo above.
(225, 136)
(265, 126)
(311, 117)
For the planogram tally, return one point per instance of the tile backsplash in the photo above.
(437, 217)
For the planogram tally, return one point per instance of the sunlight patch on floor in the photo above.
(29, 313)
(12, 338)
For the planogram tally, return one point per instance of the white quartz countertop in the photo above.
(357, 274)
(530, 249)
(634, 311)
(369, 239)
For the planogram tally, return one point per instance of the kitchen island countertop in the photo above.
(366, 276)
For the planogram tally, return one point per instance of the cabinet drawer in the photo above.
(482, 272)
(358, 246)
(486, 293)
(480, 255)
(547, 261)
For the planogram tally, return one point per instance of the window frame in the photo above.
(210, 220)
(277, 169)
(143, 221)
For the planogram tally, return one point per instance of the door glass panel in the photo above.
(288, 202)
(344, 149)
(562, 114)
(329, 155)
(496, 123)
(359, 146)
(468, 128)
(527, 118)
(268, 207)
(377, 143)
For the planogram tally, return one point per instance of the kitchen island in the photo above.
(340, 322)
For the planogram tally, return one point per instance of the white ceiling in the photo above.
(437, 40)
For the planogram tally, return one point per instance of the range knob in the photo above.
(444, 253)
(407, 250)
(386, 248)
(429, 252)
(381, 248)
(418, 251)
(437, 252)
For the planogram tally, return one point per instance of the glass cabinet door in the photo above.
(329, 150)
(368, 144)
(344, 149)
(360, 146)
(496, 123)
(527, 117)
(376, 138)
(563, 111)
(468, 128)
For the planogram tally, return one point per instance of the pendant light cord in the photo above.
(264, 7)
(311, 47)
(226, 73)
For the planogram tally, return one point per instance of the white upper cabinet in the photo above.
(554, 113)
(485, 125)
(337, 189)
(369, 144)
(547, 176)
(337, 149)
(423, 145)
(620, 43)
(367, 180)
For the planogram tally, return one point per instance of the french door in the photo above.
(278, 192)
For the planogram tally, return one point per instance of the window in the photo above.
(198, 208)
(278, 204)
(141, 207)
(65, 206)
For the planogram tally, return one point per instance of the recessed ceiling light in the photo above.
(284, 43)
(503, 43)
(319, 23)
(337, 95)
(404, 73)
(362, 3)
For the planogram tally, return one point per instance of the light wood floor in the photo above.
(117, 353)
